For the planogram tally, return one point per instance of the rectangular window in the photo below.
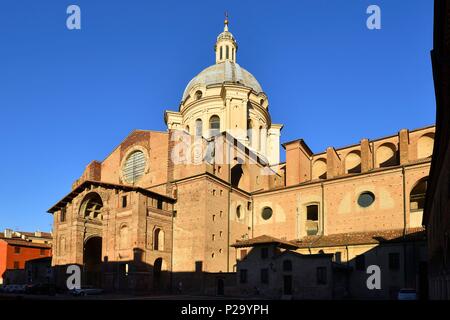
(264, 253)
(338, 257)
(16, 265)
(159, 204)
(394, 261)
(17, 250)
(321, 275)
(62, 217)
(360, 262)
(124, 201)
(243, 276)
(265, 276)
(312, 212)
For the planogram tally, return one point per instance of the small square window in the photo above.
(17, 250)
(62, 217)
(321, 275)
(264, 253)
(265, 276)
(243, 276)
(312, 212)
(287, 265)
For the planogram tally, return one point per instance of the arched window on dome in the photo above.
(232, 52)
(198, 94)
(221, 52)
(227, 55)
(198, 127)
(214, 125)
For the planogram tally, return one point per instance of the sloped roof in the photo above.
(25, 243)
(75, 192)
(264, 239)
(355, 238)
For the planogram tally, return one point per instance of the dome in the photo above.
(227, 71)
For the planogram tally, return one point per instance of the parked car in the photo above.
(407, 294)
(14, 288)
(40, 288)
(86, 290)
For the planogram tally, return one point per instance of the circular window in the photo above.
(134, 166)
(238, 212)
(266, 213)
(365, 199)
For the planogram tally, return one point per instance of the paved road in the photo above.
(8, 296)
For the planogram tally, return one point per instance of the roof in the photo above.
(25, 243)
(75, 192)
(46, 235)
(355, 238)
(301, 142)
(37, 260)
(264, 239)
(223, 72)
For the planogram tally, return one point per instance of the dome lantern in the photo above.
(226, 46)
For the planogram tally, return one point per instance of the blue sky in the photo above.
(69, 97)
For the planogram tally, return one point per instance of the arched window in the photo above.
(124, 237)
(387, 155)
(417, 195)
(198, 127)
(91, 206)
(187, 129)
(134, 166)
(312, 219)
(158, 239)
(250, 132)
(239, 214)
(221, 53)
(198, 94)
(319, 170)
(214, 125)
(353, 162)
(227, 55)
(425, 146)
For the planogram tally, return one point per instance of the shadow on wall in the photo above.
(140, 278)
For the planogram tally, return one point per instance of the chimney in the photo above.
(298, 163)
(8, 233)
(333, 163)
(403, 139)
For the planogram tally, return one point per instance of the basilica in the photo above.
(183, 209)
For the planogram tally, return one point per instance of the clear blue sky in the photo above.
(69, 97)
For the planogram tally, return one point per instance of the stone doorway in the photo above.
(92, 262)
